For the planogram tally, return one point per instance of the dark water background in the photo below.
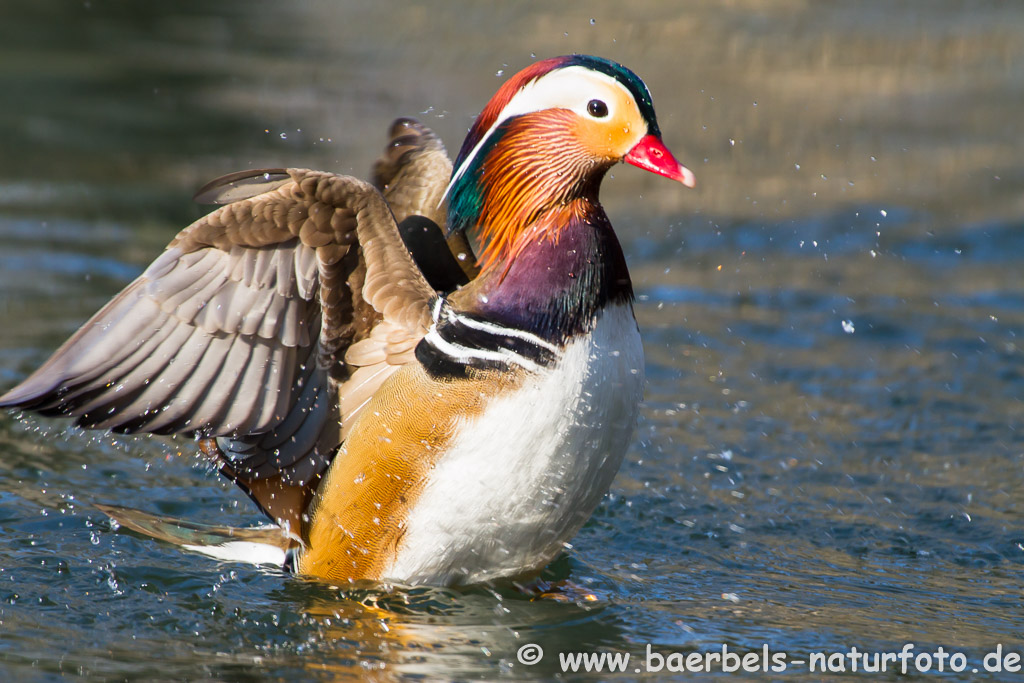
(830, 452)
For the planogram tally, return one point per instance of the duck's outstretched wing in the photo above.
(268, 323)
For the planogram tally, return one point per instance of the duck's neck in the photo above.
(564, 270)
(527, 196)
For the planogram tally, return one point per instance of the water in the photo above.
(829, 453)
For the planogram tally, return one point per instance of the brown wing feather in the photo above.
(357, 517)
(413, 172)
(239, 330)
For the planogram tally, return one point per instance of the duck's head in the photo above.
(541, 146)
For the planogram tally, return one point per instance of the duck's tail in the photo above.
(268, 545)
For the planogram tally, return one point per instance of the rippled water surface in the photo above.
(830, 451)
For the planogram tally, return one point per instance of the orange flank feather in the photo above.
(357, 518)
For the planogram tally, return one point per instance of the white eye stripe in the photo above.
(571, 87)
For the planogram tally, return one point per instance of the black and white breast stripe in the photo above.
(459, 341)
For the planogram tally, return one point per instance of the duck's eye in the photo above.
(597, 109)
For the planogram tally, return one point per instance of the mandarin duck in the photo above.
(406, 405)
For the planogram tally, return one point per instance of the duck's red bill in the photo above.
(652, 155)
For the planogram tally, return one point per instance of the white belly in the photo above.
(520, 480)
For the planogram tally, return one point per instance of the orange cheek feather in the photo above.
(611, 138)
